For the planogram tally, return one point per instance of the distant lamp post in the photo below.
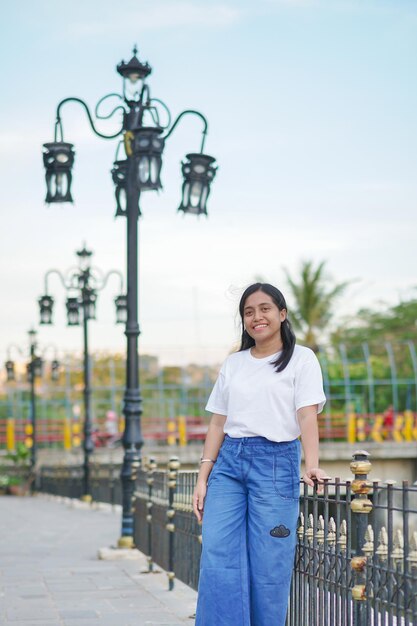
(34, 370)
(146, 128)
(83, 282)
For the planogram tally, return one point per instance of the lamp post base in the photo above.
(125, 543)
(118, 554)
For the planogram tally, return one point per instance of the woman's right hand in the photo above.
(214, 440)
(198, 498)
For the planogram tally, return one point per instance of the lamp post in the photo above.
(34, 369)
(144, 136)
(82, 284)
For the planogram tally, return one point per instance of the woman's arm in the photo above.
(307, 418)
(214, 440)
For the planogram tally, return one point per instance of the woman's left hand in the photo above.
(315, 473)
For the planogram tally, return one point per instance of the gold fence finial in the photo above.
(368, 546)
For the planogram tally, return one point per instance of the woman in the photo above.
(266, 395)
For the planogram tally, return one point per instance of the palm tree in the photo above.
(314, 301)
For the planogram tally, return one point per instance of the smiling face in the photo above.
(262, 319)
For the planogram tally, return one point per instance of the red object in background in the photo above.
(389, 418)
(106, 433)
(101, 439)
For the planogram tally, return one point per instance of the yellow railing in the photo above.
(353, 428)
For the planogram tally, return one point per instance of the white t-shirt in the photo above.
(259, 401)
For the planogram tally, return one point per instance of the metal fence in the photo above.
(67, 481)
(166, 529)
(356, 555)
(356, 559)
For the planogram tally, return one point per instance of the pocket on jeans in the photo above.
(216, 467)
(286, 477)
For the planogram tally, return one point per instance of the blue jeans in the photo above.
(249, 533)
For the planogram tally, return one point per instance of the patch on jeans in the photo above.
(280, 531)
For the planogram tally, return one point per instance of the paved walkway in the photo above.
(50, 574)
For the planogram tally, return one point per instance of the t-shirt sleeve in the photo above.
(217, 400)
(309, 385)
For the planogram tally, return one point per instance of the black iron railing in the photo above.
(66, 480)
(356, 556)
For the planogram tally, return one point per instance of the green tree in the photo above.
(385, 330)
(314, 296)
(394, 324)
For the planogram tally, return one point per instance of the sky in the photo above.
(312, 119)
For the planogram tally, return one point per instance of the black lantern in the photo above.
(134, 70)
(58, 159)
(90, 299)
(55, 370)
(73, 312)
(34, 369)
(10, 371)
(121, 309)
(148, 147)
(38, 366)
(119, 175)
(46, 304)
(198, 174)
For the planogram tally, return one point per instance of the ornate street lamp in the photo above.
(34, 370)
(146, 128)
(84, 281)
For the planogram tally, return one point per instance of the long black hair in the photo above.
(287, 333)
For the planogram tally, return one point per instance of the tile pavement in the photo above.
(50, 574)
